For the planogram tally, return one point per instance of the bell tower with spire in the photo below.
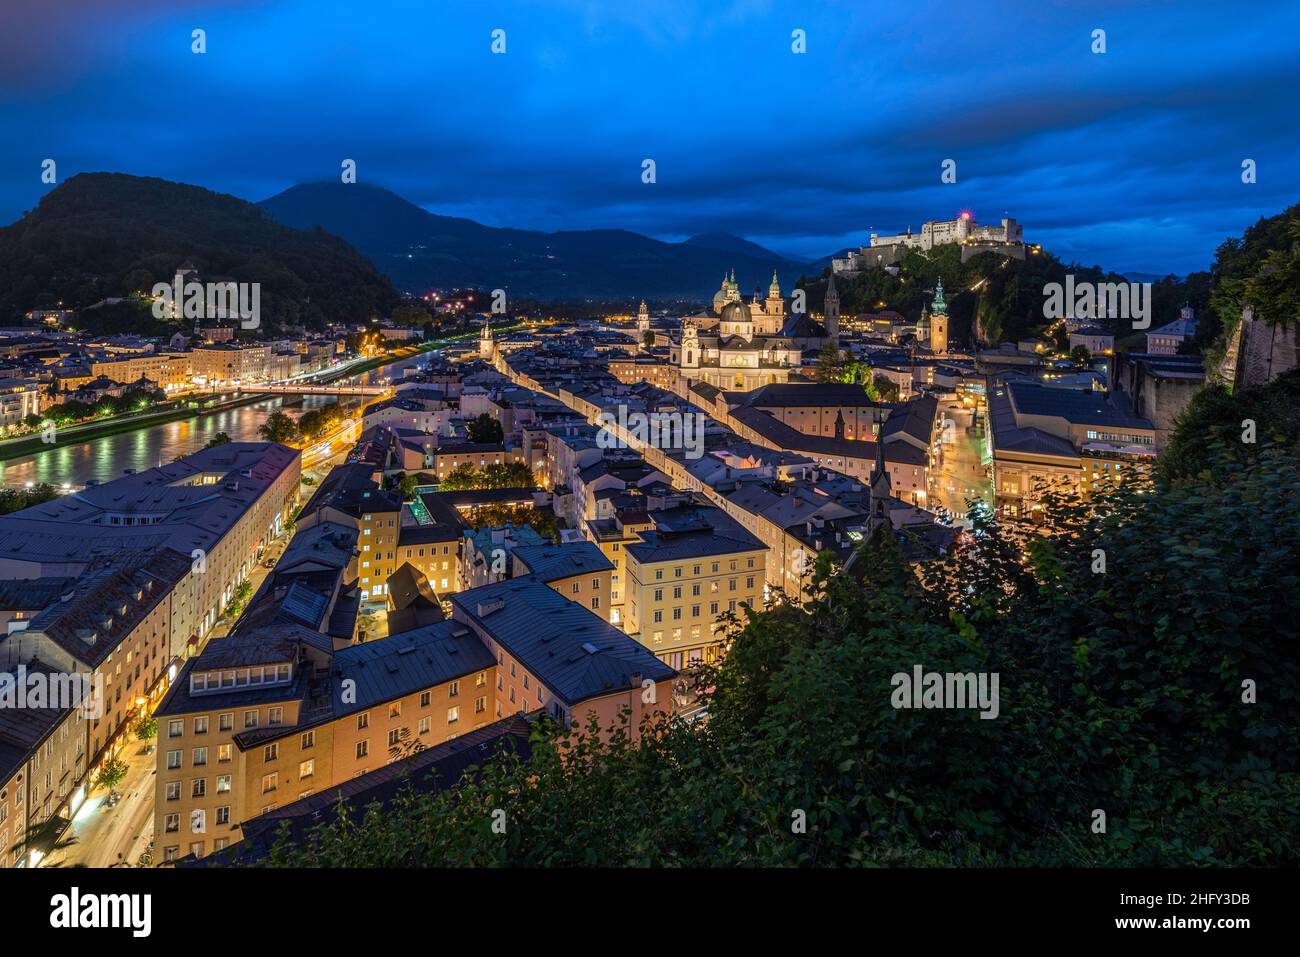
(486, 347)
(642, 323)
(831, 312)
(881, 493)
(939, 322)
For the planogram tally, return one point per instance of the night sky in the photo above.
(1130, 159)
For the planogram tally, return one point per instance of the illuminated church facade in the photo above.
(739, 345)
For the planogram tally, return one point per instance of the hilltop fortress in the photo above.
(1005, 240)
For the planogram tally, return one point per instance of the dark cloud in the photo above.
(1130, 159)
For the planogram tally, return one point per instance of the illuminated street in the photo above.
(108, 837)
(962, 471)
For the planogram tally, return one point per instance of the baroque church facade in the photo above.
(740, 346)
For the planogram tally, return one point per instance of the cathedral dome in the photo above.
(736, 312)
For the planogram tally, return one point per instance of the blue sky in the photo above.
(1130, 159)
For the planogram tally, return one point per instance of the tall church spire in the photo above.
(881, 492)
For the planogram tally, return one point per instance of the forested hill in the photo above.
(107, 235)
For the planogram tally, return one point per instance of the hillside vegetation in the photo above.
(108, 235)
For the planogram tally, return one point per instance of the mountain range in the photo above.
(421, 251)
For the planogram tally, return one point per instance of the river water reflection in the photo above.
(108, 457)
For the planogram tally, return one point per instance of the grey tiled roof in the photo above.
(552, 562)
(577, 655)
(398, 665)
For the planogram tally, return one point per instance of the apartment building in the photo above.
(695, 564)
(271, 715)
(577, 570)
(349, 495)
(556, 655)
(1039, 437)
(229, 363)
(43, 763)
(219, 507)
(20, 398)
(171, 370)
(612, 536)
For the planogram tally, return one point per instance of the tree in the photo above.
(111, 774)
(1080, 356)
(221, 438)
(407, 484)
(508, 475)
(278, 427)
(235, 607)
(830, 365)
(460, 478)
(648, 338)
(886, 389)
(409, 315)
(16, 499)
(485, 430)
(497, 475)
(146, 729)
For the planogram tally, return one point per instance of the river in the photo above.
(108, 457)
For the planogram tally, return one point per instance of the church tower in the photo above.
(485, 344)
(690, 345)
(831, 310)
(939, 322)
(642, 323)
(881, 493)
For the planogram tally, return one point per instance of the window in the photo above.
(226, 722)
(480, 704)
(577, 587)
(250, 719)
(480, 679)
(395, 709)
(200, 757)
(223, 817)
(201, 725)
(223, 753)
(174, 791)
(270, 782)
(173, 760)
(424, 725)
(199, 787)
(425, 697)
(454, 690)
(453, 715)
(276, 716)
(363, 721)
(363, 748)
(595, 601)
(172, 823)
(175, 728)
(306, 769)
(308, 740)
(223, 783)
(394, 738)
